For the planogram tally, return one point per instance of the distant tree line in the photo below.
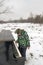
(36, 19)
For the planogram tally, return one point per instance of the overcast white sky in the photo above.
(21, 8)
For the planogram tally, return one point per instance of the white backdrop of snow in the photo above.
(35, 32)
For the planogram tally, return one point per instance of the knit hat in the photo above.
(18, 31)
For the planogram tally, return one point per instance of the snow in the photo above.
(35, 32)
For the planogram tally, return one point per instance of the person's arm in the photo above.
(27, 40)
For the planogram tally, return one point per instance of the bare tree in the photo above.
(1, 6)
(6, 9)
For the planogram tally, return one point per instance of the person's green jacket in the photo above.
(23, 39)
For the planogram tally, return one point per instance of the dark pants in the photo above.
(7, 45)
(22, 50)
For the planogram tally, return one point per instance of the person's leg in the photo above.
(23, 51)
(20, 49)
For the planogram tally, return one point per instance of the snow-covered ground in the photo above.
(35, 32)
